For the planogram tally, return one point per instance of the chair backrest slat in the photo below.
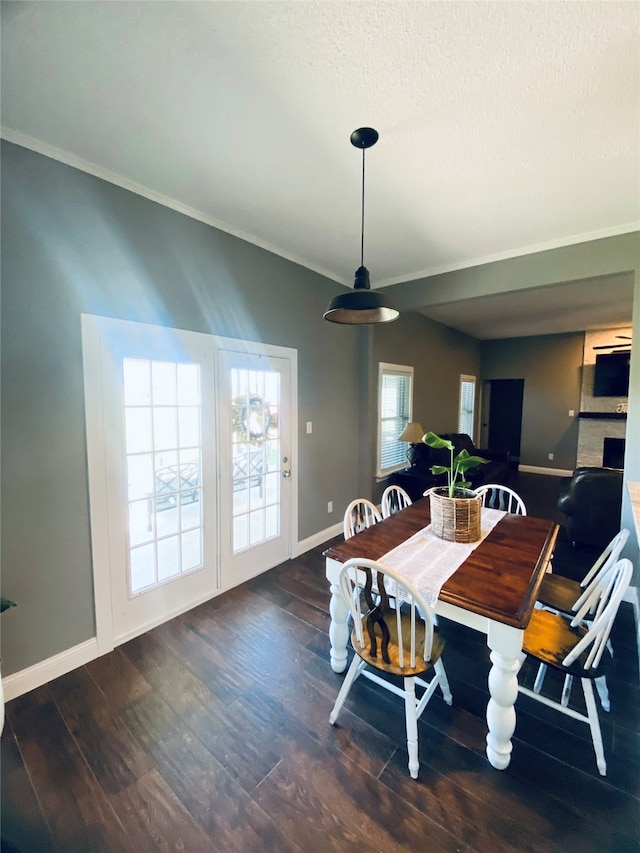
(609, 591)
(591, 581)
(608, 556)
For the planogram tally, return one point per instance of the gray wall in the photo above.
(551, 366)
(596, 258)
(72, 243)
(438, 355)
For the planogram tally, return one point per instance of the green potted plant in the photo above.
(459, 465)
(455, 509)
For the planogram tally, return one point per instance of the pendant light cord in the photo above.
(362, 217)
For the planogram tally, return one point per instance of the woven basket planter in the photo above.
(455, 519)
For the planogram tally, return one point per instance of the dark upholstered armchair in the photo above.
(418, 478)
(592, 501)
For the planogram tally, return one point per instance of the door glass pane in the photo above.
(141, 526)
(256, 456)
(163, 383)
(142, 564)
(168, 558)
(165, 427)
(191, 549)
(164, 454)
(138, 429)
(189, 425)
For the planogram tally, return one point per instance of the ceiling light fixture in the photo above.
(361, 305)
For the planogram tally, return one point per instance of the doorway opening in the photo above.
(502, 416)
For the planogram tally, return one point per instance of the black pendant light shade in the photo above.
(361, 305)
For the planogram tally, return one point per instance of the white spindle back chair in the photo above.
(564, 595)
(495, 496)
(571, 647)
(360, 514)
(394, 498)
(393, 632)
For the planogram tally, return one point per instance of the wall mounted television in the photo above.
(611, 375)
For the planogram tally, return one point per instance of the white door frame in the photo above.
(94, 329)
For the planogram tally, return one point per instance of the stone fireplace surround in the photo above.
(600, 417)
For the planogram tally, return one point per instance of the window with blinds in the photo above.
(395, 405)
(467, 405)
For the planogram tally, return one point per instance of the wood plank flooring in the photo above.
(210, 734)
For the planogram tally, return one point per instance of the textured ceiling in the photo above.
(504, 126)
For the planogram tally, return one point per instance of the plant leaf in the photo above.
(439, 469)
(434, 440)
(469, 462)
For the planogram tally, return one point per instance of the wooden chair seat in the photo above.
(394, 667)
(550, 637)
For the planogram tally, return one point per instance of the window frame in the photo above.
(472, 380)
(386, 369)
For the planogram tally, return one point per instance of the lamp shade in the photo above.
(361, 305)
(412, 433)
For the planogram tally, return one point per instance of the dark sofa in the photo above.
(417, 479)
(592, 501)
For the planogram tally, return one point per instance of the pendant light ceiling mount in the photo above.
(361, 305)
(364, 137)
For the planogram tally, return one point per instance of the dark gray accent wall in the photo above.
(72, 243)
(551, 366)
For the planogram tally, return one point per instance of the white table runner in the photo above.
(428, 561)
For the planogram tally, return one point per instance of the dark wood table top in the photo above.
(499, 580)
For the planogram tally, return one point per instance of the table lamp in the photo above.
(412, 433)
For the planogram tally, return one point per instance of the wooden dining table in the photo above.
(493, 590)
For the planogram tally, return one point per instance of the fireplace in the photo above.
(613, 453)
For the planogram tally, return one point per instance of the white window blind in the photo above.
(394, 413)
(467, 405)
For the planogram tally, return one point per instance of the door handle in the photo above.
(286, 474)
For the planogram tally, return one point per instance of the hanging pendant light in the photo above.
(361, 305)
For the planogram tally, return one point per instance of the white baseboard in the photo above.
(552, 472)
(41, 673)
(317, 539)
(45, 671)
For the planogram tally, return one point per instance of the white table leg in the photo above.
(338, 629)
(506, 656)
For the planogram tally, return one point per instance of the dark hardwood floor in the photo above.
(211, 733)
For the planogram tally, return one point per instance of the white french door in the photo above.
(255, 463)
(189, 469)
